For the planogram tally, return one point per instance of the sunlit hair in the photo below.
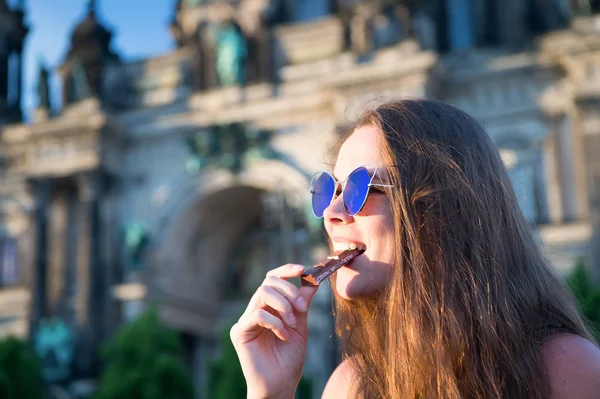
(471, 297)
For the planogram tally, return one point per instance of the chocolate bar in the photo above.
(317, 274)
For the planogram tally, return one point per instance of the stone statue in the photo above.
(424, 30)
(256, 18)
(79, 80)
(361, 29)
(43, 87)
(228, 146)
(231, 52)
(361, 17)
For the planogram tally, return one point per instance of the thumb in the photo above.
(304, 300)
(307, 292)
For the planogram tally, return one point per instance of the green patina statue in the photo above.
(231, 52)
(54, 344)
(228, 147)
(136, 240)
(81, 87)
(193, 3)
(43, 86)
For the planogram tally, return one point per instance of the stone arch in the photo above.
(191, 260)
(266, 175)
(188, 265)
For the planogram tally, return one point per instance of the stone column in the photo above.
(70, 276)
(594, 266)
(57, 243)
(41, 190)
(591, 144)
(89, 284)
(209, 60)
(580, 169)
(553, 190)
(540, 188)
(568, 179)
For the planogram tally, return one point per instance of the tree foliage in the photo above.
(143, 362)
(587, 296)
(20, 373)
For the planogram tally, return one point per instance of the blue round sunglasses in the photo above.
(355, 190)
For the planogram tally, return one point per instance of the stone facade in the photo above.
(185, 180)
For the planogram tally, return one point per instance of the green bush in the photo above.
(226, 379)
(20, 373)
(143, 362)
(587, 296)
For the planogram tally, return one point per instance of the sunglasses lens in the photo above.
(322, 193)
(356, 190)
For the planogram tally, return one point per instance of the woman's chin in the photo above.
(351, 284)
(348, 284)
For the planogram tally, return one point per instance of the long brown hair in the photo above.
(471, 297)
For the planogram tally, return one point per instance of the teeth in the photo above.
(342, 246)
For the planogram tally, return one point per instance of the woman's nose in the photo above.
(335, 212)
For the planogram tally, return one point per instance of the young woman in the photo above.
(451, 299)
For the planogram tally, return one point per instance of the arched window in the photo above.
(525, 170)
(13, 83)
(9, 266)
(308, 10)
(460, 24)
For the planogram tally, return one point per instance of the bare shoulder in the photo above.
(573, 367)
(339, 384)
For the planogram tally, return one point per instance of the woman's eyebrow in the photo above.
(381, 175)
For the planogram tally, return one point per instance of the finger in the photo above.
(270, 297)
(305, 295)
(259, 318)
(286, 271)
(285, 288)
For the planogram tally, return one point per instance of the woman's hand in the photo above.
(270, 337)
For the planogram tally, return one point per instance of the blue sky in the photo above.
(140, 30)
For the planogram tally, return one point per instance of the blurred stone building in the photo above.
(183, 178)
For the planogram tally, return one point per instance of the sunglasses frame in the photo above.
(343, 183)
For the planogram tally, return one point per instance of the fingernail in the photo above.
(301, 304)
